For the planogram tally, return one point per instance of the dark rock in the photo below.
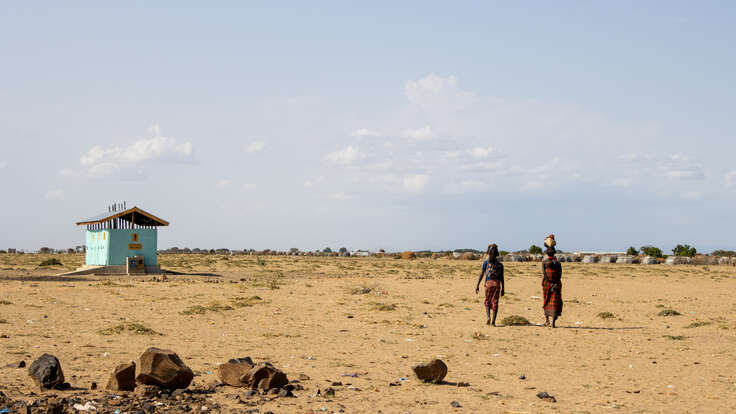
(522, 377)
(46, 372)
(21, 364)
(394, 384)
(285, 393)
(329, 392)
(164, 368)
(264, 376)
(544, 396)
(433, 371)
(122, 378)
(274, 391)
(147, 391)
(251, 393)
(231, 371)
(336, 384)
(463, 384)
(93, 386)
(455, 404)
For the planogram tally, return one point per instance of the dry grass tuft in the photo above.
(201, 310)
(606, 315)
(240, 302)
(668, 312)
(51, 262)
(698, 324)
(515, 320)
(131, 327)
(384, 307)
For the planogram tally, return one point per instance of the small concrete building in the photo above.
(123, 240)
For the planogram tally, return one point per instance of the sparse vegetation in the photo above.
(200, 310)
(384, 307)
(698, 324)
(675, 337)
(5, 302)
(684, 250)
(606, 315)
(130, 327)
(240, 302)
(515, 320)
(632, 251)
(668, 312)
(534, 249)
(652, 251)
(51, 262)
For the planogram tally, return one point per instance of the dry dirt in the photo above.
(375, 318)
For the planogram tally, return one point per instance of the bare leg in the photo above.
(488, 315)
(546, 322)
(495, 312)
(554, 319)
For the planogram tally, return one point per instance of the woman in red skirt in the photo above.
(551, 283)
(493, 272)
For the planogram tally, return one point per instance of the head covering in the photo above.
(550, 241)
(550, 251)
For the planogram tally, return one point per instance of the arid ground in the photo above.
(365, 321)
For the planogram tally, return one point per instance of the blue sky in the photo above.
(428, 125)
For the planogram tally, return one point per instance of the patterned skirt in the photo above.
(552, 293)
(493, 291)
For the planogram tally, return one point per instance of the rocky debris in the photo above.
(122, 378)
(433, 371)
(232, 371)
(285, 393)
(147, 391)
(546, 397)
(264, 376)
(455, 404)
(328, 392)
(463, 384)
(522, 377)
(164, 368)
(46, 372)
(21, 364)
(304, 377)
(93, 386)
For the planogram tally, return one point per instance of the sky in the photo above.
(369, 125)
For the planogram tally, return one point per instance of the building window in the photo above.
(134, 237)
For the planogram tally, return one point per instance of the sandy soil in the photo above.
(312, 318)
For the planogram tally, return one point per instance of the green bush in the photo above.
(534, 249)
(684, 250)
(632, 251)
(652, 251)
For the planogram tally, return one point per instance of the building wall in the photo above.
(97, 247)
(110, 247)
(123, 245)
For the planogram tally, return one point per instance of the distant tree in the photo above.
(326, 250)
(534, 249)
(45, 250)
(70, 251)
(724, 253)
(382, 251)
(343, 250)
(503, 253)
(652, 251)
(632, 251)
(684, 250)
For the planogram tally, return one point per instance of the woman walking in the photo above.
(493, 272)
(551, 282)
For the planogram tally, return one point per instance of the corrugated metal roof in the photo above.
(147, 219)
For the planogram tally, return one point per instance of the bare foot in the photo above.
(494, 324)
(488, 321)
(546, 323)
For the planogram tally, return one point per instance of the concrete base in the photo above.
(109, 270)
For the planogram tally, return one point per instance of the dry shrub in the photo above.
(515, 320)
(669, 312)
(698, 324)
(606, 315)
(51, 262)
(408, 255)
(132, 327)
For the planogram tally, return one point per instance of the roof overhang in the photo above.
(133, 215)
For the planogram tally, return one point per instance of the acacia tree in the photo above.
(652, 251)
(534, 249)
(632, 251)
(684, 250)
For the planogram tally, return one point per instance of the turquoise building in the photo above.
(113, 238)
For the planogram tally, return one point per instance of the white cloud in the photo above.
(56, 194)
(419, 134)
(439, 93)
(101, 162)
(223, 184)
(346, 156)
(365, 133)
(479, 152)
(731, 179)
(255, 147)
(415, 182)
(680, 167)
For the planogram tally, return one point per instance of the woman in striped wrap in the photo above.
(551, 283)
(495, 285)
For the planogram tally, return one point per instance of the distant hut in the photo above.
(608, 259)
(678, 260)
(590, 259)
(649, 260)
(625, 259)
(123, 240)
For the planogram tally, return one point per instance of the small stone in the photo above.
(93, 385)
(433, 371)
(231, 371)
(20, 364)
(250, 393)
(545, 396)
(264, 376)
(463, 384)
(46, 372)
(336, 384)
(304, 377)
(164, 368)
(522, 377)
(122, 378)
(455, 404)
(285, 393)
